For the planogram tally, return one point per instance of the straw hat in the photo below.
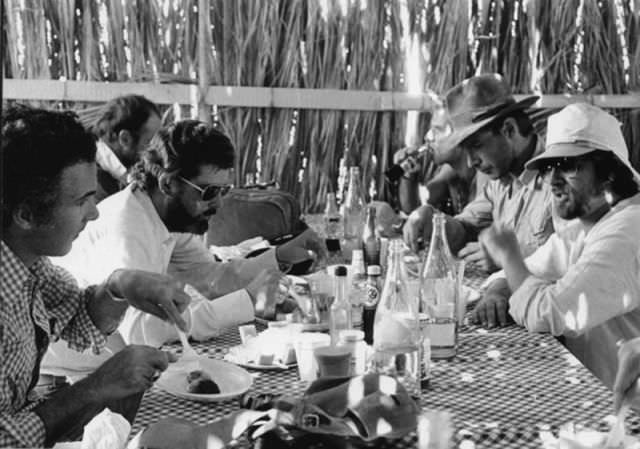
(474, 104)
(581, 128)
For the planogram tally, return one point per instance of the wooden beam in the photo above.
(266, 97)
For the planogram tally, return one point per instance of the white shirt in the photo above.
(585, 286)
(130, 234)
(108, 161)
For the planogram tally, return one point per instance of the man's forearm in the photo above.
(105, 309)
(408, 193)
(516, 270)
(65, 407)
(457, 234)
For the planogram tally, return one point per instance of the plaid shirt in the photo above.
(37, 304)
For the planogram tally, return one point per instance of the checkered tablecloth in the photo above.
(502, 388)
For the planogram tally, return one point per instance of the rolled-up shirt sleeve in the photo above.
(67, 304)
(478, 214)
(599, 285)
(205, 319)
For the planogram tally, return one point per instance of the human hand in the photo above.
(474, 253)
(407, 159)
(131, 370)
(493, 308)
(499, 243)
(154, 293)
(269, 293)
(626, 387)
(306, 245)
(418, 227)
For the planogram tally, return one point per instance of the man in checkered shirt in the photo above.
(49, 185)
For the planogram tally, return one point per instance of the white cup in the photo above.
(304, 345)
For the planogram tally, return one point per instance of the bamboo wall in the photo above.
(551, 47)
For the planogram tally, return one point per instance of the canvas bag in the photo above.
(251, 212)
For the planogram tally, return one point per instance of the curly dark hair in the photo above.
(182, 148)
(37, 145)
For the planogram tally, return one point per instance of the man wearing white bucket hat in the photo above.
(584, 283)
(497, 136)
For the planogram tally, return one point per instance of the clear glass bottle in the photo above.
(357, 290)
(371, 301)
(396, 335)
(352, 212)
(340, 311)
(371, 239)
(438, 293)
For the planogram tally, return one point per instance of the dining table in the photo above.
(504, 386)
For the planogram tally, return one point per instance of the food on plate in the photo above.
(199, 382)
(273, 346)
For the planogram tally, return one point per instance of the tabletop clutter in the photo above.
(367, 328)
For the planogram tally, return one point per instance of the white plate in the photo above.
(232, 380)
(229, 358)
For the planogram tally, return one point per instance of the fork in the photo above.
(615, 438)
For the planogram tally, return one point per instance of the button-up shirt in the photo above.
(585, 286)
(37, 304)
(521, 202)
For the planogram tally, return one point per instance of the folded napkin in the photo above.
(107, 430)
(364, 407)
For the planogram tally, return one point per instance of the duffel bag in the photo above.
(251, 212)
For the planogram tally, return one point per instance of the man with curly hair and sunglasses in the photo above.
(157, 223)
(583, 284)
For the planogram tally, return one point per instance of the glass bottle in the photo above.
(396, 334)
(352, 212)
(340, 311)
(371, 239)
(333, 229)
(371, 301)
(357, 290)
(438, 293)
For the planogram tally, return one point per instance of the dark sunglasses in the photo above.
(567, 165)
(209, 192)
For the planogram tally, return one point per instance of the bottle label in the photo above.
(372, 294)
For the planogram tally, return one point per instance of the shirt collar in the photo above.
(14, 272)
(145, 201)
(109, 162)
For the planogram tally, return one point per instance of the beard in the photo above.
(180, 220)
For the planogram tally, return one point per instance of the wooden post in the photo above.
(204, 110)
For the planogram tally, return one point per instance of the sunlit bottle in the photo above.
(333, 229)
(340, 311)
(371, 239)
(396, 331)
(358, 287)
(371, 301)
(352, 212)
(438, 293)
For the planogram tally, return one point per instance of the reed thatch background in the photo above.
(544, 46)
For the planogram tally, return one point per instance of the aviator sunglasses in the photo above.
(210, 191)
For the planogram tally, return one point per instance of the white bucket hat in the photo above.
(581, 128)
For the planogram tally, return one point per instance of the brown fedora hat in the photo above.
(472, 105)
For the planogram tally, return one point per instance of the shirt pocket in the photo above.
(538, 228)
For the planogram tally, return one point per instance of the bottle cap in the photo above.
(352, 335)
(374, 270)
(340, 270)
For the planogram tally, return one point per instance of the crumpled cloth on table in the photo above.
(239, 251)
(107, 430)
(363, 407)
(575, 437)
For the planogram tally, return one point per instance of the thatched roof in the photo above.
(551, 47)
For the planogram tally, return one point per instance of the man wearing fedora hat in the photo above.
(584, 283)
(492, 129)
(447, 176)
